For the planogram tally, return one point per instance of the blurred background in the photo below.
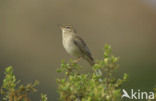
(31, 42)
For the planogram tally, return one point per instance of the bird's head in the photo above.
(66, 28)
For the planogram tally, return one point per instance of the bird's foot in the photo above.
(77, 60)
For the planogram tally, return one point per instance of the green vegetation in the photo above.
(74, 85)
(12, 90)
(77, 86)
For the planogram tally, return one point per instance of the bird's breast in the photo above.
(70, 47)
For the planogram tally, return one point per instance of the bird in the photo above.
(75, 45)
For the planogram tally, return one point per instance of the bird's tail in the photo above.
(90, 60)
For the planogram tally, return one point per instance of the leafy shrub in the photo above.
(93, 86)
(12, 90)
(98, 85)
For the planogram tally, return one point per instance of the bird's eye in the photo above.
(68, 27)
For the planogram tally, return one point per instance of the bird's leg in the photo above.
(77, 60)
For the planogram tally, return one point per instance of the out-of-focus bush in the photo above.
(12, 90)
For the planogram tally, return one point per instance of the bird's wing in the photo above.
(82, 46)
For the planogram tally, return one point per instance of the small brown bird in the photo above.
(74, 45)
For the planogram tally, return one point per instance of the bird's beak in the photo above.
(60, 26)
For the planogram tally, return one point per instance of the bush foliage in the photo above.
(12, 90)
(97, 85)
(78, 86)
